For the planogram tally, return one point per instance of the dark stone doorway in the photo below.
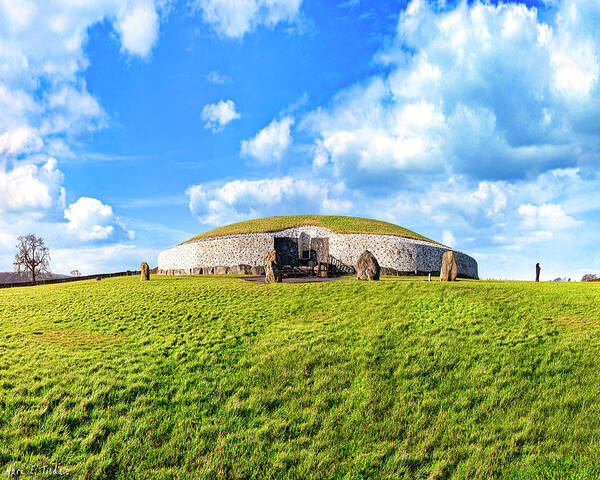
(287, 251)
(314, 250)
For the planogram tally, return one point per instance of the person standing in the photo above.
(538, 269)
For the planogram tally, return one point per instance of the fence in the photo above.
(70, 279)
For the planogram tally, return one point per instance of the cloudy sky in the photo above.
(128, 126)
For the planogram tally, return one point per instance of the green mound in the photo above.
(335, 223)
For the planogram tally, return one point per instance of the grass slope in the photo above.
(200, 377)
(336, 223)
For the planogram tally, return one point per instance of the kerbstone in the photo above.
(367, 267)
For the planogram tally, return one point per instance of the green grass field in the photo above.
(335, 223)
(200, 377)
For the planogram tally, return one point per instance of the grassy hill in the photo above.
(203, 377)
(336, 223)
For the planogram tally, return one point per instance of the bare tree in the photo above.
(75, 273)
(32, 256)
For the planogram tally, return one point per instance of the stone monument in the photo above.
(449, 270)
(367, 267)
(272, 270)
(145, 275)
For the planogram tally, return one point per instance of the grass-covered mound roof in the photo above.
(335, 223)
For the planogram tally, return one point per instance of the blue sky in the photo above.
(129, 126)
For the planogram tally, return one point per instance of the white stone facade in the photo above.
(395, 254)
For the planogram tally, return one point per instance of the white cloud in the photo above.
(43, 97)
(89, 219)
(106, 259)
(138, 28)
(574, 49)
(71, 109)
(217, 78)
(7, 241)
(448, 239)
(487, 213)
(29, 187)
(363, 141)
(270, 143)
(235, 18)
(19, 139)
(32, 200)
(486, 91)
(548, 217)
(245, 199)
(217, 115)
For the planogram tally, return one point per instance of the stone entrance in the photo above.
(304, 246)
(287, 251)
(320, 247)
(302, 250)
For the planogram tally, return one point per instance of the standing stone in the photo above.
(367, 267)
(145, 271)
(222, 270)
(449, 270)
(272, 270)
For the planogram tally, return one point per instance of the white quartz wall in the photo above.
(212, 252)
(397, 253)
